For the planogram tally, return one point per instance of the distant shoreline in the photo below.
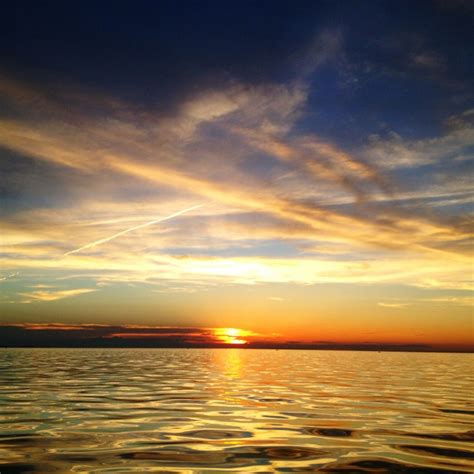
(253, 347)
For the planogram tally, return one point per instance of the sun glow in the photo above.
(231, 335)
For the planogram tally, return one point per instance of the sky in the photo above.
(261, 171)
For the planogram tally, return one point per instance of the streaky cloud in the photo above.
(131, 229)
(393, 305)
(53, 295)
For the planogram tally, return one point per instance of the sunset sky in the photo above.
(297, 171)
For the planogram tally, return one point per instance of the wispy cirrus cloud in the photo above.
(53, 295)
(311, 193)
(394, 305)
(131, 229)
(454, 146)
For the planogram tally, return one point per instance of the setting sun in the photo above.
(231, 335)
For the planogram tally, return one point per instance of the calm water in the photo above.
(218, 410)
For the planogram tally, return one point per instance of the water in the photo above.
(219, 410)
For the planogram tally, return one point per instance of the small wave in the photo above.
(217, 434)
(331, 432)
(447, 452)
(382, 467)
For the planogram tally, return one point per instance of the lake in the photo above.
(241, 410)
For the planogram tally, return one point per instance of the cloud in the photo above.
(7, 277)
(454, 300)
(395, 152)
(63, 334)
(238, 150)
(103, 335)
(428, 60)
(394, 305)
(53, 295)
(325, 46)
(120, 266)
(131, 229)
(323, 161)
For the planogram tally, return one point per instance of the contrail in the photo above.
(126, 231)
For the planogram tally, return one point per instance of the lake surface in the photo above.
(219, 410)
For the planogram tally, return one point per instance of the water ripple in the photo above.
(166, 410)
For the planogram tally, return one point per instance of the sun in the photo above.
(231, 335)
